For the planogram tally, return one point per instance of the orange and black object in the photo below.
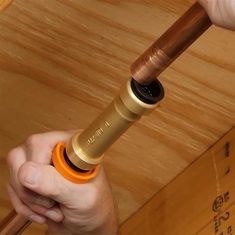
(79, 160)
(66, 168)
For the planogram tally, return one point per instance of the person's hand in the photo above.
(41, 194)
(221, 12)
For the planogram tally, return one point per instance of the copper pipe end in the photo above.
(170, 45)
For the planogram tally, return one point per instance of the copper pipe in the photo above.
(171, 44)
(13, 224)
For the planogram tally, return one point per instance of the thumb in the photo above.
(45, 180)
(221, 12)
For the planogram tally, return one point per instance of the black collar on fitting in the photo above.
(149, 94)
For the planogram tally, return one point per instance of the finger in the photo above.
(15, 159)
(46, 181)
(40, 146)
(55, 214)
(32, 198)
(221, 12)
(22, 208)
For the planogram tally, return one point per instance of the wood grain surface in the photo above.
(199, 201)
(62, 62)
(4, 4)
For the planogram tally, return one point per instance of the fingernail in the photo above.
(31, 175)
(37, 219)
(53, 216)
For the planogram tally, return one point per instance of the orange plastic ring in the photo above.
(64, 169)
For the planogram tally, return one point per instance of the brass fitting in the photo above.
(85, 150)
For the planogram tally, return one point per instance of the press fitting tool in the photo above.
(79, 160)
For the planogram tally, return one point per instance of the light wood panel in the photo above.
(199, 201)
(4, 4)
(61, 62)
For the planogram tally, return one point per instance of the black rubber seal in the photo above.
(72, 165)
(149, 94)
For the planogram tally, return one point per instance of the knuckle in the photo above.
(11, 155)
(23, 171)
(33, 140)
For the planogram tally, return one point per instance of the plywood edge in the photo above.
(199, 201)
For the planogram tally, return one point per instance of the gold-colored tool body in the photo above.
(85, 150)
